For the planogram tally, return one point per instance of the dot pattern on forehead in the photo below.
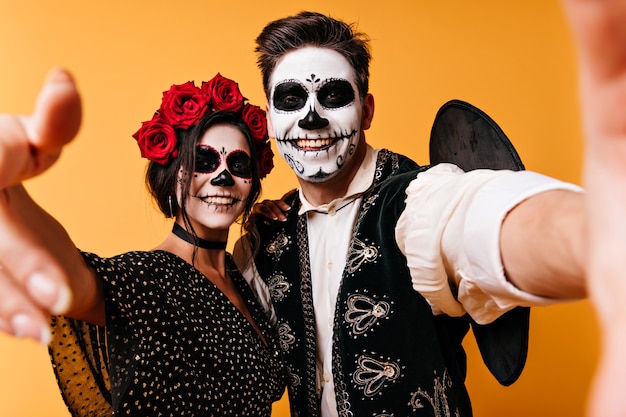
(176, 345)
(313, 79)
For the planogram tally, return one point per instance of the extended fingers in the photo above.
(30, 144)
(32, 284)
(57, 114)
(19, 315)
(15, 153)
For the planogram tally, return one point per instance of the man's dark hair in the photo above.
(313, 29)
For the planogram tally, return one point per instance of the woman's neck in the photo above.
(201, 258)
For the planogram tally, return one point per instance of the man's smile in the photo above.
(317, 144)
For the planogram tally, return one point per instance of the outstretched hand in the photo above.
(31, 144)
(599, 28)
(37, 258)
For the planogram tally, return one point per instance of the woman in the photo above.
(177, 330)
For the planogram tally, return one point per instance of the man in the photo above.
(379, 261)
(34, 282)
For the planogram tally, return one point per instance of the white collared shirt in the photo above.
(449, 232)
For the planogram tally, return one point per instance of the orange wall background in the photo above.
(512, 59)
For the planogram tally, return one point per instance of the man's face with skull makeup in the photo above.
(315, 112)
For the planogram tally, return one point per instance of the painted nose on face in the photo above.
(224, 179)
(313, 121)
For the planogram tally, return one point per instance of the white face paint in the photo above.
(222, 179)
(315, 112)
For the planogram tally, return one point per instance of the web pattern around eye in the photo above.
(335, 93)
(289, 96)
(293, 88)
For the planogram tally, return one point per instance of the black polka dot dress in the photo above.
(174, 345)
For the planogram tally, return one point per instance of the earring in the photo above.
(169, 202)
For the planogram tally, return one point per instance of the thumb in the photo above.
(30, 144)
(55, 120)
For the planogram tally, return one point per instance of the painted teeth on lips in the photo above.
(314, 143)
(227, 201)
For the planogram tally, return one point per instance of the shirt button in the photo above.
(332, 211)
(326, 377)
(330, 265)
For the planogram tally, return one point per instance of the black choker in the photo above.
(198, 241)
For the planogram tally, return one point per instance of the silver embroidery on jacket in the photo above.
(343, 404)
(358, 254)
(278, 287)
(373, 375)
(277, 246)
(364, 312)
(438, 401)
(286, 336)
(294, 378)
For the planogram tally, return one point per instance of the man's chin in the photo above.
(319, 177)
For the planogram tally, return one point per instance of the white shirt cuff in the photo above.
(450, 233)
(481, 240)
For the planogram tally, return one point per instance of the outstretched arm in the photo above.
(41, 271)
(587, 248)
(599, 28)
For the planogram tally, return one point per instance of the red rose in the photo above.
(265, 157)
(157, 141)
(224, 93)
(254, 117)
(183, 105)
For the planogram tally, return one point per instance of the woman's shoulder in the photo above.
(131, 260)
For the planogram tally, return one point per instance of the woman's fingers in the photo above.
(31, 144)
(19, 315)
(33, 283)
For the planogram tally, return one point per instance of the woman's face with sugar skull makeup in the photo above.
(222, 179)
(315, 112)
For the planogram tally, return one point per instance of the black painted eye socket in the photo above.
(335, 94)
(239, 164)
(289, 96)
(207, 159)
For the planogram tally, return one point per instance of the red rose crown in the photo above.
(183, 105)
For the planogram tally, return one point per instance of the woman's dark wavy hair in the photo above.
(313, 29)
(162, 180)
